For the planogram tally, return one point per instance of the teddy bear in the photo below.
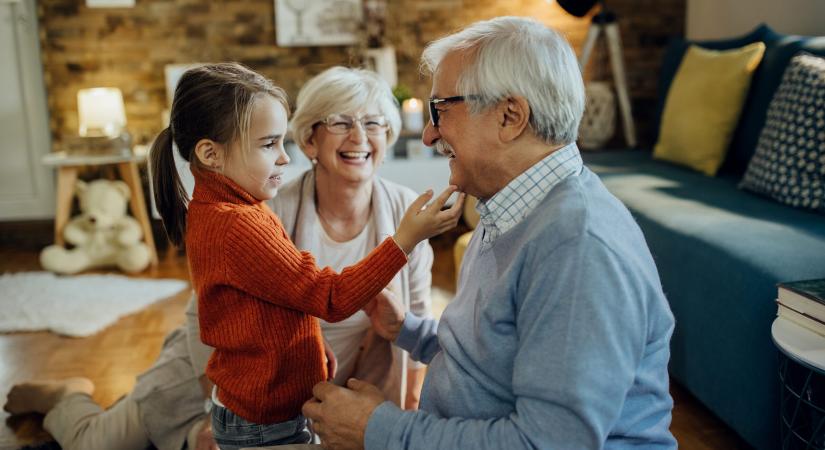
(102, 235)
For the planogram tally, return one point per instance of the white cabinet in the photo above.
(26, 186)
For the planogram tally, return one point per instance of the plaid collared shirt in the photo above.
(511, 205)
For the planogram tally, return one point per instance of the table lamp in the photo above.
(101, 112)
(102, 123)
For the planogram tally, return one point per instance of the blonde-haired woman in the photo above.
(345, 120)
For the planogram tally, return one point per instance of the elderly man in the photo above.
(559, 334)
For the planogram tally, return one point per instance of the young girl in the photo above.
(257, 294)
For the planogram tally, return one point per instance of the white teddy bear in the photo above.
(103, 234)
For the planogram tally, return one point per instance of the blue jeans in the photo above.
(232, 432)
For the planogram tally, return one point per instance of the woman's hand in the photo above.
(206, 386)
(415, 380)
(204, 439)
(422, 221)
(332, 363)
(386, 314)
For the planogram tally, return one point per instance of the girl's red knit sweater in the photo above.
(257, 295)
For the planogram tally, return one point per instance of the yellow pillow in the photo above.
(703, 106)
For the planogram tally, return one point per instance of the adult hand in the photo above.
(204, 439)
(340, 414)
(332, 362)
(386, 314)
(415, 381)
(206, 386)
(422, 221)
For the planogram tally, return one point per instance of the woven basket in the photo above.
(599, 120)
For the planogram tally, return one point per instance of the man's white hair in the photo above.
(342, 90)
(517, 56)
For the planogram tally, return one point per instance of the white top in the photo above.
(344, 337)
(799, 343)
(295, 205)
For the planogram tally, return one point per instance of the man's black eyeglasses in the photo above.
(436, 101)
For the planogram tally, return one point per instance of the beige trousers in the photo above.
(78, 423)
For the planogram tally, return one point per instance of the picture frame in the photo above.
(307, 23)
(382, 61)
(110, 3)
(172, 74)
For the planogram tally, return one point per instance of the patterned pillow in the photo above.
(789, 163)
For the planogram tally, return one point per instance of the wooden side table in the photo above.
(68, 167)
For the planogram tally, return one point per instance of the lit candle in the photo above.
(413, 114)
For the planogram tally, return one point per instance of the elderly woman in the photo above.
(345, 120)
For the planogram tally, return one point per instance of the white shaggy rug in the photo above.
(78, 305)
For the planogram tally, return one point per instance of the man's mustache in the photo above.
(444, 148)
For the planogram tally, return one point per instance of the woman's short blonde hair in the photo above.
(343, 90)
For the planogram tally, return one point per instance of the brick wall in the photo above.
(128, 48)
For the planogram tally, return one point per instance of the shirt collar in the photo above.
(509, 206)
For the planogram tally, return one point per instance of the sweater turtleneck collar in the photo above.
(213, 187)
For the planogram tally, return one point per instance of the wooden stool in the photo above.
(68, 167)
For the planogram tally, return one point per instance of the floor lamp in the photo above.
(606, 21)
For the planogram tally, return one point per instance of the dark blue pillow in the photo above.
(789, 163)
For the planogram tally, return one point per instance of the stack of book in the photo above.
(803, 302)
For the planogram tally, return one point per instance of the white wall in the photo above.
(713, 19)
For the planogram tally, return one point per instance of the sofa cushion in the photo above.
(676, 49)
(789, 164)
(720, 252)
(703, 105)
(766, 80)
(779, 50)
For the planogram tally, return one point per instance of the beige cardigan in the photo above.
(380, 362)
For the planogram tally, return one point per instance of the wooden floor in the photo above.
(114, 356)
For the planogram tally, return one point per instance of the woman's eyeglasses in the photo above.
(343, 123)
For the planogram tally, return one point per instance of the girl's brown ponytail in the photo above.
(170, 196)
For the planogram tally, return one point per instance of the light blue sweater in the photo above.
(558, 339)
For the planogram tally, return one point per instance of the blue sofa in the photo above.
(721, 251)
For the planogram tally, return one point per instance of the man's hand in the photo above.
(386, 314)
(204, 439)
(340, 414)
